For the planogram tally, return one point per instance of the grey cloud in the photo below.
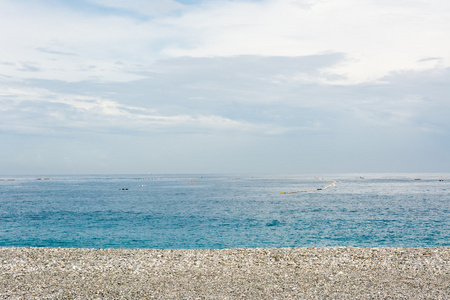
(28, 67)
(242, 89)
(50, 51)
(429, 58)
(201, 109)
(137, 8)
(250, 64)
(7, 63)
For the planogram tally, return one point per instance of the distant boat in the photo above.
(418, 179)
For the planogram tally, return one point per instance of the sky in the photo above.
(224, 86)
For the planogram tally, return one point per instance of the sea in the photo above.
(198, 211)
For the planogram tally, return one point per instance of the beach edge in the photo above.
(271, 273)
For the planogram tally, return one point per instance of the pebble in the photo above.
(257, 273)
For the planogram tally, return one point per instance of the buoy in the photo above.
(273, 223)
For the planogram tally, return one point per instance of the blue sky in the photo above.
(162, 86)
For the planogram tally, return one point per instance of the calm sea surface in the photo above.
(225, 211)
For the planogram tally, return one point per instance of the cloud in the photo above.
(38, 111)
(376, 37)
(28, 67)
(247, 83)
(50, 51)
(254, 94)
(147, 7)
(238, 94)
(90, 39)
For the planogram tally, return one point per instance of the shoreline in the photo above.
(268, 273)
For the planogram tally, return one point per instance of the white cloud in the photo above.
(68, 45)
(147, 7)
(282, 78)
(377, 37)
(26, 110)
(212, 95)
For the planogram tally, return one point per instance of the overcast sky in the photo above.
(198, 86)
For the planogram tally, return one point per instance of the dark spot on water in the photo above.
(273, 223)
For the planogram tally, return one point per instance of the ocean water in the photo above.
(225, 211)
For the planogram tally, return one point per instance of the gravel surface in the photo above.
(299, 273)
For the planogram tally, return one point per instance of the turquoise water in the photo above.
(224, 211)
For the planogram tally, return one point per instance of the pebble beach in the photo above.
(256, 273)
